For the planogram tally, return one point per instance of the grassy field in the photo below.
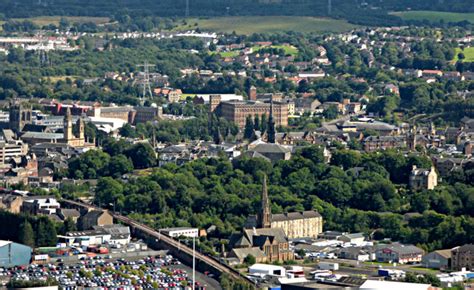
(428, 270)
(267, 24)
(289, 49)
(435, 16)
(468, 53)
(46, 20)
(55, 79)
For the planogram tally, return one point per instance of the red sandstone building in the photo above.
(237, 111)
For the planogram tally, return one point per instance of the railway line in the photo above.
(210, 261)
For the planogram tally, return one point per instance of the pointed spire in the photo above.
(264, 217)
(271, 124)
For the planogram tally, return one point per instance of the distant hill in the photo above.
(356, 11)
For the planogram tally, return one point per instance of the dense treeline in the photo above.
(367, 12)
(355, 192)
(34, 231)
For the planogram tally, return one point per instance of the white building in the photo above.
(41, 205)
(181, 232)
(267, 270)
(86, 238)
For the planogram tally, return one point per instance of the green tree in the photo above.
(120, 165)
(142, 155)
(26, 235)
(248, 130)
(108, 191)
(250, 260)
(46, 235)
(68, 226)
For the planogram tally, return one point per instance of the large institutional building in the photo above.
(306, 224)
(238, 111)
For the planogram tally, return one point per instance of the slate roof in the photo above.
(94, 214)
(42, 135)
(244, 252)
(295, 215)
(66, 212)
(401, 249)
(270, 148)
(444, 253)
(277, 233)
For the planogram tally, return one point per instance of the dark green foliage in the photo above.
(249, 127)
(44, 230)
(250, 260)
(26, 234)
(217, 192)
(142, 155)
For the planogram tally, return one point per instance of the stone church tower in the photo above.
(264, 216)
(69, 137)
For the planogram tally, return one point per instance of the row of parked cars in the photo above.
(158, 272)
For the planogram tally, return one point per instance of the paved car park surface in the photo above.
(158, 272)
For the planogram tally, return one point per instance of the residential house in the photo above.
(11, 203)
(65, 213)
(95, 218)
(306, 105)
(421, 179)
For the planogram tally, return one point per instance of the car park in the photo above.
(99, 273)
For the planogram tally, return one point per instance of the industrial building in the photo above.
(14, 254)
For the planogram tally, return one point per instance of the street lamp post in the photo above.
(194, 262)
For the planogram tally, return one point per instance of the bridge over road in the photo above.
(175, 248)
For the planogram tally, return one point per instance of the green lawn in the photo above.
(428, 270)
(377, 264)
(468, 54)
(46, 20)
(289, 49)
(435, 16)
(267, 24)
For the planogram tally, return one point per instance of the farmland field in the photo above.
(468, 54)
(435, 16)
(267, 24)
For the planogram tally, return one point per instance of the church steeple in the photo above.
(271, 124)
(264, 216)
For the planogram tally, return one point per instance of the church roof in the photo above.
(239, 240)
(244, 252)
(295, 215)
(276, 233)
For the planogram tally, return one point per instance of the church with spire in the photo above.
(266, 236)
(304, 224)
